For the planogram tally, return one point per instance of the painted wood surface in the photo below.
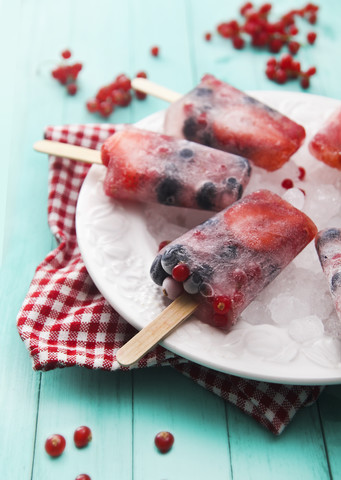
(125, 410)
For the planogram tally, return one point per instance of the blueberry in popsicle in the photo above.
(326, 143)
(328, 247)
(151, 167)
(225, 262)
(220, 116)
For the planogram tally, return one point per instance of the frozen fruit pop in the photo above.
(226, 261)
(328, 247)
(151, 167)
(220, 116)
(326, 143)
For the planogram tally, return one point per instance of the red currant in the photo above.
(82, 436)
(301, 173)
(180, 272)
(163, 244)
(293, 47)
(140, 95)
(83, 476)
(305, 82)
(311, 37)
(222, 304)
(164, 441)
(105, 108)
(238, 42)
(287, 183)
(92, 106)
(141, 74)
(155, 51)
(66, 54)
(208, 36)
(72, 89)
(55, 445)
(123, 82)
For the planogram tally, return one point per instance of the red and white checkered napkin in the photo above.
(65, 321)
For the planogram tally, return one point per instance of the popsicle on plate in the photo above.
(328, 247)
(226, 261)
(220, 116)
(151, 167)
(326, 143)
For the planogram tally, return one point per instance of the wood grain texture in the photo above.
(126, 409)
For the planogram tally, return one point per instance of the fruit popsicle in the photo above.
(220, 116)
(328, 247)
(151, 167)
(326, 143)
(226, 261)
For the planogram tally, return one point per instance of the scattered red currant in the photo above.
(72, 89)
(164, 441)
(155, 51)
(55, 445)
(208, 36)
(66, 54)
(271, 35)
(83, 476)
(311, 37)
(82, 436)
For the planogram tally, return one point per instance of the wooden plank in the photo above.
(102, 401)
(165, 400)
(329, 404)
(298, 453)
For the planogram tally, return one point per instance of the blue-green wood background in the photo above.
(125, 410)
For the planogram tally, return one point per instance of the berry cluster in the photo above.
(287, 68)
(115, 94)
(273, 36)
(66, 74)
(265, 34)
(55, 444)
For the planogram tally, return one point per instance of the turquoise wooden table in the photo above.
(125, 409)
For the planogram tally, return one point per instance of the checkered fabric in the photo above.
(65, 321)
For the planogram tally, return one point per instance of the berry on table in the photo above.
(311, 37)
(72, 89)
(155, 51)
(82, 436)
(164, 441)
(208, 36)
(83, 476)
(55, 445)
(66, 54)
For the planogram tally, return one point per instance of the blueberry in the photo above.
(195, 281)
(206, 139)
(206, 195)
(186, 153)
(190, 128)
(234, 187)
(157, 272)
(172, 256)
(245, 165)
(202, 91)
(328, 235)
(167, 191)
(229, 252)
(336, 281)
(208, 223)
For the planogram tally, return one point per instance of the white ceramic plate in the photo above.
(119, 241)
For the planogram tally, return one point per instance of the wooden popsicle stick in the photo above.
(178, 311)
(87, 155)
(146, 86)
